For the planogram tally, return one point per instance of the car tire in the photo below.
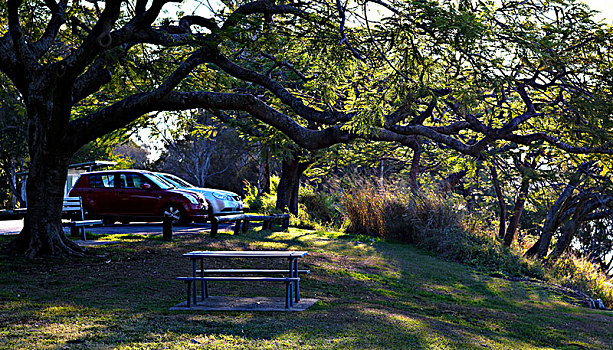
(176, 213)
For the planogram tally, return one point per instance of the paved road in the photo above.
(12, 227)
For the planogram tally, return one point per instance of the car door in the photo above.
(134, 198)
(99, 196)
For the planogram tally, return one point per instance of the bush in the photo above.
(316, 210)
(320, 208)
(262, 203)
(390, 211)
(582, 275)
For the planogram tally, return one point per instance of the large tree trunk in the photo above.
(570, 228)
(520, 202)
(42, 233)
(552, 220)
(287, 191)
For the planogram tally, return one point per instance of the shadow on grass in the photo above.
(373, 295)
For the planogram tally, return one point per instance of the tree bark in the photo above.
(42, 234)
(501, 203)
(541, 247)
(414, 170)
(265, 173)
(289, 184)
(520, 202)
(570, 228)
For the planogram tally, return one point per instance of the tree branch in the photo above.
(57, 20)
(24, 55)
(329, 117)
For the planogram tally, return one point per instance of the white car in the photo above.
(220, 202)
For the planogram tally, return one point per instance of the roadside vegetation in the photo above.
(373, 294)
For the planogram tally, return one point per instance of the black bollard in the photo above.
(167, 229)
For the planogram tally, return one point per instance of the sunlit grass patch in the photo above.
(373, 295)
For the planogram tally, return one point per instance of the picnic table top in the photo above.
(245, 254)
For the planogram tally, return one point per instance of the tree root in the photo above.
(53, 244)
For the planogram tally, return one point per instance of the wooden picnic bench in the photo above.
(202, 275)
(242, 222)
(73, 206)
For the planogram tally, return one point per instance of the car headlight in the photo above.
(221, 196)
(191, 199)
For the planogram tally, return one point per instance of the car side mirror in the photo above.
(146, 186)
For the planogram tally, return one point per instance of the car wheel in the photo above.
(176, 213)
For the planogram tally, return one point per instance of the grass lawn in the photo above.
(373, 295)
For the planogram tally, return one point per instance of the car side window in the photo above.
(122, 182)
(131, 181)
(102, 181)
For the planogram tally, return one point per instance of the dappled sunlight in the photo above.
(268, 246)
(373, 295)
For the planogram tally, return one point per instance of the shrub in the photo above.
(390, 211)
(319, 208)
(262, 203)
(582, 275)
(316, 210)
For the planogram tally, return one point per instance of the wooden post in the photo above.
(245, 226)
(285, 226)
(167, 229)
(214, 226)
(237, 227)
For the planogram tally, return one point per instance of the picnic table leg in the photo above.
(195, 275)
(74, 231)
(203, 285)
(288, 296)
(189, 292)
(245, 226)
(291, 274)
(297, 283)
(285, 225)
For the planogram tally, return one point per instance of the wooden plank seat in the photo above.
(74, 207)
(242, 222)
(287, 280)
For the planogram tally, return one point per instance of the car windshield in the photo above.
(163, 184)
(177, 180)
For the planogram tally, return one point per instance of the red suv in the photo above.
(126, 195)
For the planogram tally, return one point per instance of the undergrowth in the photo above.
(579, 274)
(316, 210)
(442, 227)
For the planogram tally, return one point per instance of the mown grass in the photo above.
(373, 295)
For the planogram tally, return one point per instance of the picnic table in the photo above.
(204, 275)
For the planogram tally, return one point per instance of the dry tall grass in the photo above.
(439, 225)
